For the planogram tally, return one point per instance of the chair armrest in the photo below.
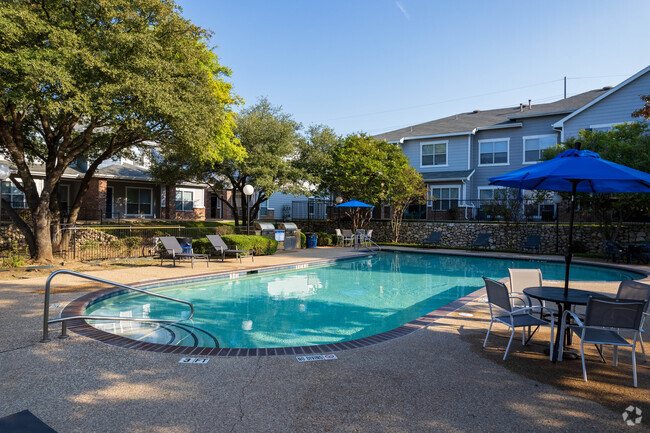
(520, 298)
(574, 315)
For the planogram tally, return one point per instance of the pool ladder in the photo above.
(63, 320)
(363, 241)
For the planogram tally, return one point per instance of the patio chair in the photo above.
(369, 234)
(633, 290)
(339, 236)
(533, 243)
(601, 326)
(174, 250)
(614, 251)
(433, 239)
(348, 236)
(220, 247)
(482, 240)
(501, 311)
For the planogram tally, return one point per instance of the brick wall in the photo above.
(94, 204)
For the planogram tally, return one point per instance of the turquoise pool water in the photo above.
(321, 304)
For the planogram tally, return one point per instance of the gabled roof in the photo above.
(560, 123)
(467, 123)
(123, 171)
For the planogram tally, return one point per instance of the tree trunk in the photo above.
(42, 235)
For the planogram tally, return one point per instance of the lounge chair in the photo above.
(482, 240)
(501, 311)
(174, 251)
(433, 239)
(604, 320)
(533, 243)
(221, 248)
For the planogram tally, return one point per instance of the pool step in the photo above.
(176, 334)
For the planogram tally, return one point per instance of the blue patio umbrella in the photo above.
(576, 170)
(354, 203)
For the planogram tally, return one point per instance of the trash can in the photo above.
(311, 240)
(186, 244)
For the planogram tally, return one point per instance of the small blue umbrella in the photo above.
(576, 171)
(354, 203)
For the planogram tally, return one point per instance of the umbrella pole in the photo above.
(569, 255)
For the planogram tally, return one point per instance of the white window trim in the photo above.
(198, 197)
(182, 190)
(487, 140)
(126, 202)
(523, 157)
(449, 186)
(493, 187)
(426, 143)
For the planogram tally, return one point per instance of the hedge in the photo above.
(325, 239)
(261, 246)
(303, 240)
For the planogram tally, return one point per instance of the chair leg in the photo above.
(488, 333)
(645, 358)
(552, 341)
(634, 361)
(615, 356)
(582, 355)
(512, 334)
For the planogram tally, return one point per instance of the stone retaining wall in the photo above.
(512, 236)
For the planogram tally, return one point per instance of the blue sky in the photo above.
(373, 66)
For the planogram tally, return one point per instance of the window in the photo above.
(13, 195)
(264, 208)
(493, 152)
(184, 200)
(138, 201)
(486, 194)
(445, 197)
(433, 154)
(535, 145)
(602, 128)
(64, 198)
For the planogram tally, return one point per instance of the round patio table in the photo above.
(556, 294)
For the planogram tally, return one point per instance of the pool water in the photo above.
(338, 301)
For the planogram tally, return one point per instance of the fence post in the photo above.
(74, 243)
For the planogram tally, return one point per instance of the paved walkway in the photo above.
(430, 380)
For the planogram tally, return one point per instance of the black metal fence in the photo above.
(311, 209)
(88, 243)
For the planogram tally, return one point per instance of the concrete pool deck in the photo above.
(431, 380)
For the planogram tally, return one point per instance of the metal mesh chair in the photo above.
(633, 290)
(339, 236)
(602, 323)
(348, 236)
(499, 300)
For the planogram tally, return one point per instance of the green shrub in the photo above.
(261, 246)
(201, 246)
(14, 260)
(324, 239)
(303, 240)
(89, 245)
(132, 242)
(117, 244)
(225, 230)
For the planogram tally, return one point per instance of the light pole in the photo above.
(4, 174)
(557, 199)
(248, 191)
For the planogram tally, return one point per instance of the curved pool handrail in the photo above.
(63, 320)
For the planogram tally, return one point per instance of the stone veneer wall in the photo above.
(504, 236)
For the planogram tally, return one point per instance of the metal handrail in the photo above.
(63, 320)
(366, 241)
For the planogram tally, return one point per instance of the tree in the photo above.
(645, 110)
(88, 80)
(271, 140)
(372, 171)
(626, 144)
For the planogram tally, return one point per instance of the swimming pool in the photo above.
(319, 304)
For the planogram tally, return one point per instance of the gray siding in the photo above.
(456, 153)
(615, 108)
(533, 126)
(278, 200)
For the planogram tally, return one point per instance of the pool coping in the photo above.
(83, 328)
